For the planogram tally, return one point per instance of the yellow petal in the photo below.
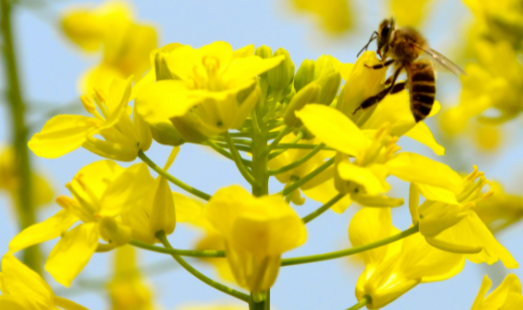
(163, 100)
(271, 238)
(422, 261)
(51, 228)
(435, 193)
(72, 253)
(23, 283)
(127, 188)
(412, 167)
(62, 134)
(422, 134)
(452, 247)
(492, 247)
(333, 128)
(163, 216)
(485, 286)
(372, 183)
(67, 304)
(369, 225)
(246, 68)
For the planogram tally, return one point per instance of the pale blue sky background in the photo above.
(51, 67)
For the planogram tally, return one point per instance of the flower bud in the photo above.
(309, 94)
(282, 75)
(264, 52)
(329, 87)
(165, 133)
(187, 127)
(163, 217)
(160, 67)
(323, 66)
(304, 75)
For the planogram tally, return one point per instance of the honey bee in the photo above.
(407, 49)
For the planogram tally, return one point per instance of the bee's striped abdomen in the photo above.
(422, 87)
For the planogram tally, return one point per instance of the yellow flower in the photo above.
(498, 20)
(410, 13)
(256, 231)
(24, 289)
(123, 137)
(212, 89)
(499, 210)
(126, 45)
(334, 16)
(126, 289)
(507, 296)
(9, 181)
(454, 226)
(392, 270)
(374, 153)
(495, 83)
(102, 191)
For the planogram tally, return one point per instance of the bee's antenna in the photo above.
(372, 38)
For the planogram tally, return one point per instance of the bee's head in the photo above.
(384, 33)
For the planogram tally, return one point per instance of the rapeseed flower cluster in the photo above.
(254, 107)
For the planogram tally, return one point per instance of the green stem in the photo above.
(322, 209)
(223, 288)
(191, 253)
(235, 141)
(300, 146)
(240, 147)
(286, 130)
(307, 178)
(223, 152)
(277, 153)
(238, 160)
(172, 179)
(24, 198)
(298, 162)
(332, 255)
(362, 303)
(261, 305)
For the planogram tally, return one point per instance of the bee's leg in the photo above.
(397, 88)
(377, 98)
(381, 65)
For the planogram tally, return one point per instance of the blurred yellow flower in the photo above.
(393, 269)
(257, 231)
(42, 194)
(123, 137)
(102, 191)
(126, 289)
(334, 16)
(410, 13)
(499, 210)
(24, 289)
(125, 44)
(507, 296)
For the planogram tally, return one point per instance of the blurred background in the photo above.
(479, 125)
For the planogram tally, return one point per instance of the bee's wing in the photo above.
(442, 61)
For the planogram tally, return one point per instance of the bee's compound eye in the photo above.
(385, 31)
